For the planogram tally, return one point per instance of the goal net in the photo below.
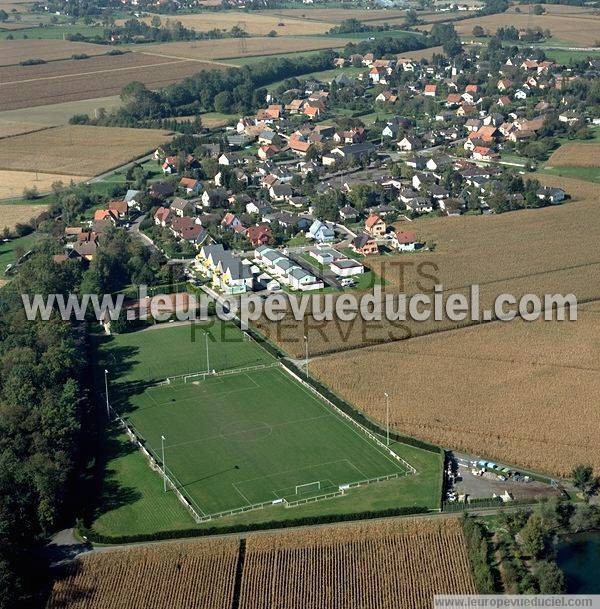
(308, 487)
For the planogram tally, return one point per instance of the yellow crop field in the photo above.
(255, 23)
(9, 128)
(193, 575)
(377, 565)
(11, 215)
(580, 30)
(576, 155)
(227, 48)
(486, 389)
(12, 183)
(337, 15)
(15, 51)
(517, 253)
(373, 566)
(78, 149)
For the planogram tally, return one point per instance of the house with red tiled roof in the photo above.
(267, 151)
(105, 214)
(162, 216)
(119, 208)
(259, 235)
(298, 146)
(430, 90)
(375, 226)
(405, 241)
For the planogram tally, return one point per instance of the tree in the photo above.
(411, 17)
(550, 578)
(584, 479)
(223, 102)
(534, 537)
(155, 21)
(478, 31)
(538, 9)
(585, 518)
(3, 15)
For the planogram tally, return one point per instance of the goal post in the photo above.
(309, 487)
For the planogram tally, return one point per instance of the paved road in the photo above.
(86, 547)
(107, 174)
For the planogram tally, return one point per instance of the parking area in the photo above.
(477, 479)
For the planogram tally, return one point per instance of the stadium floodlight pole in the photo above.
(162, 444)
(106, 392)
(387, 417)
(306, 354)
(207, 355)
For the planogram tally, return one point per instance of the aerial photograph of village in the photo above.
(274, 278)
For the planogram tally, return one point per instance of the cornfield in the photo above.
(167, 576)
(374, 566)
(379, 565)
(517, 253)
(523, 393)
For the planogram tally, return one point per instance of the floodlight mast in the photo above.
(162, 443)
(306, 354)
(387, 417)
(106, 392)
(207, 354)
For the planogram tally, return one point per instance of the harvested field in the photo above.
(337, 15)
(15, 51)
(192, 575)
(8, 129)
(78, 149)
(576, 155)
(516, 253)
(12, 183)
(485, 390)
(578, 30)
(229, 49)
(563, 9)
(11, 215)
(579, 190)
(23, 86)
(383, 565)
(378, 565)
(255, 23)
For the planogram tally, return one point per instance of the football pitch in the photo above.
(243, 438)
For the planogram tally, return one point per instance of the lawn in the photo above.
(159, 352)
(232, 441)
(591, 174)
(7, 250)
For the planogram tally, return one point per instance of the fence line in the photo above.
(156, 465)
(227, 372)
(364, 430)
(314, 499)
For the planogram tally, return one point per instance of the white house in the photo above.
(320, 232)
(302, 280)
(345, 267)
(404, 241)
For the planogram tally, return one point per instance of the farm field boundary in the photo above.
(78, 149)
(345, 565)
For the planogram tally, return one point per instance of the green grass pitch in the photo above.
(241, 439)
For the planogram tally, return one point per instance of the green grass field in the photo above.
(235, 440)
(244, 439)
(590, 174)
(7, 250)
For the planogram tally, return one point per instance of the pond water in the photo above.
(579, 558)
